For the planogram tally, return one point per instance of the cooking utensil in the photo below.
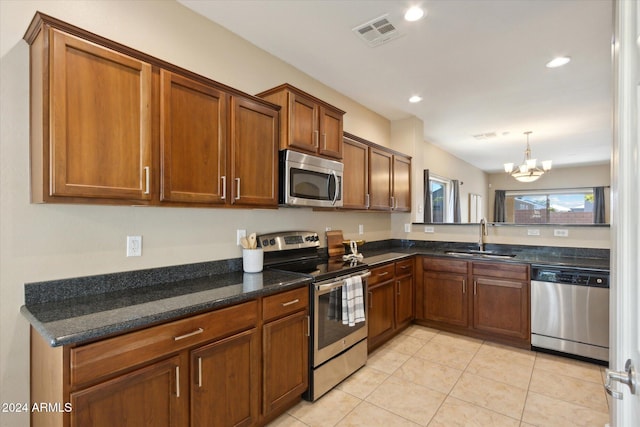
(253, 243)
(245, 243)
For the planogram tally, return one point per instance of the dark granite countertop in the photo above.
(553, 256)
(88, 317)
(77, 310)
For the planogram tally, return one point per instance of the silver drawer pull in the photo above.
(295, 301)
(177, 381)
(190, 334)
(383, 274)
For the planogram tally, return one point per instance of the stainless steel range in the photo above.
(338, 346)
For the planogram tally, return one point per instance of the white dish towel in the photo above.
(352, 301)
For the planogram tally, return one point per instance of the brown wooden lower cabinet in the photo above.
(286, 361)
(228, 367)
(487, 300)
(391, 301)
(145, 397)
(225, 378)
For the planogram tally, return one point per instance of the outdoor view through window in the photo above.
(550, 207)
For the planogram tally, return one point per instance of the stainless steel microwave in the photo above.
(307, 180)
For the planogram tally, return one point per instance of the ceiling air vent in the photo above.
(487, 135)
(377, 31)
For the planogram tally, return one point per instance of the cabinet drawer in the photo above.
(381, 274)
(284, 303)
(501, 270)
(444, 264)
(102, 358)
(404, 267)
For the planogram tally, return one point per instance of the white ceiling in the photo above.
(479, 66)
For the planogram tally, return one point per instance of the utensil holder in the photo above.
(252, 260)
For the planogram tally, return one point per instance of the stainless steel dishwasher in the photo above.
(570, 311)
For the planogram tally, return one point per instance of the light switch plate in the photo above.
(407, 228)
(560, 232)
(533, 232)
(360, 229)
(429, 229)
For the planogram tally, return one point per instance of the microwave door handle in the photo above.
(335, 179)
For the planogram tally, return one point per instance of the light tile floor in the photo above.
(425, 377)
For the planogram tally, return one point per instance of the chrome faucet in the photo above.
(483, 232)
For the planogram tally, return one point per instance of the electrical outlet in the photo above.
(407, 228)
(134, 245)
(360, 229)
(560, 232)
(429, 229)
(239, 235)
(327, 229)
(533, 232)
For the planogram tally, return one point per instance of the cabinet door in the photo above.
(148, 397)
(330, 133)
(100, 125)
(401, 184)
(286, 357)
(192, 140)
(380, 169)
(254, 154)
(501, 307)
(380, 313)
(445, 298)
(404, 300)
(303, 123)
(355, 185)
(225, 382)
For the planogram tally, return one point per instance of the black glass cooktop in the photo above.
(321, 268)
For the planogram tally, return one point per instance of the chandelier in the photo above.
(527, 171)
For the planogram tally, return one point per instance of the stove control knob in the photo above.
(272, 241)
(265, 242)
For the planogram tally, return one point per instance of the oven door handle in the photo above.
(337, 282)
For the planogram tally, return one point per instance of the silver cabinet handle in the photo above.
(627, 377)
(384, 273)
(324, 141)
(177, 381)
(398, 283)
(464, 286)
(147, 180)
(199, 371)
(393, 202)
(190, 334)
(237, 188)
(475, 287)
(295, 301)
(368, 204)
(224, 187)
(316, 138)
(370, 294)
(308, 326)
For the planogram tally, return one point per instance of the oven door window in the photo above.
(330, 328)
(313, 185)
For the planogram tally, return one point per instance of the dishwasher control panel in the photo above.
(570, 276)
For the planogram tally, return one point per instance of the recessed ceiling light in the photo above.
(558, 62)
(414, 99)
(413, 14)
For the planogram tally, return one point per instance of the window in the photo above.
(440, 193)
(565, 206)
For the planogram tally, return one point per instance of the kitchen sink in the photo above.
(483, 254)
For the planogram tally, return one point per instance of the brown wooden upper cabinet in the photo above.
(375, 177)
(111, 125)
(91, 120)
(307, 123)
